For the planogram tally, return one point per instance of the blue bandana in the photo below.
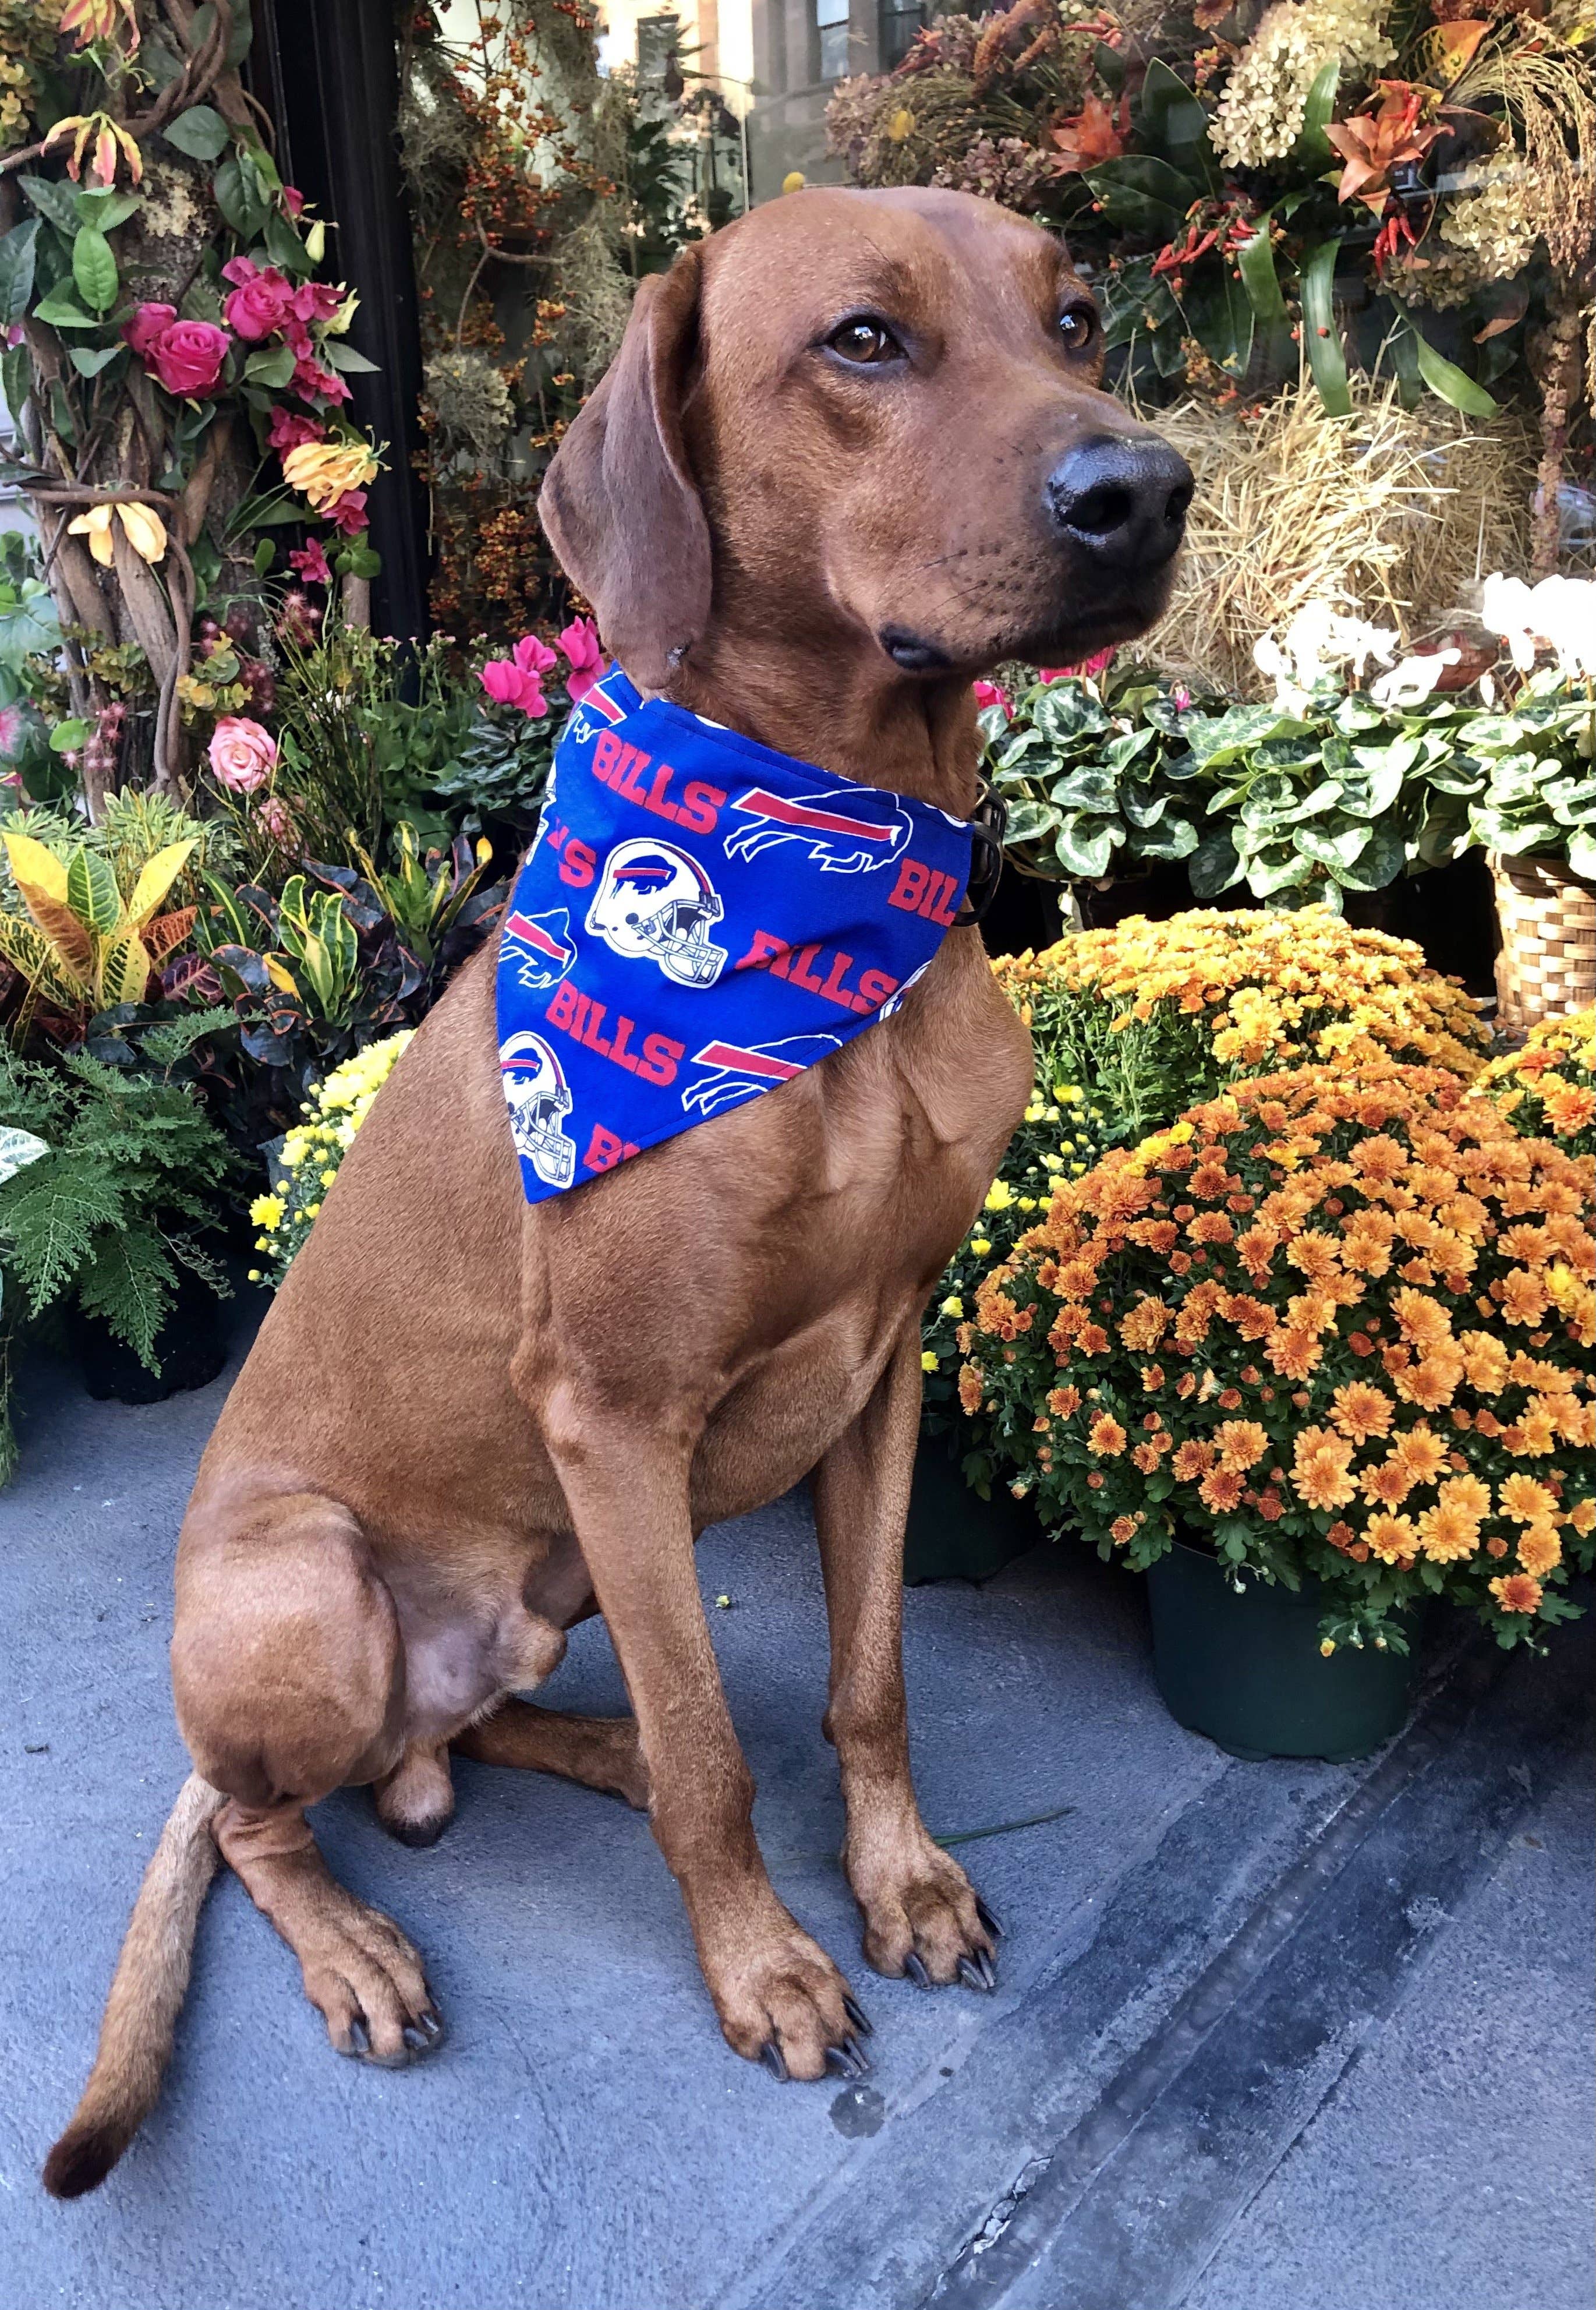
(698, 920)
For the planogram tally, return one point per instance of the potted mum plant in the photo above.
(1331, 1335)
(1547, 1088)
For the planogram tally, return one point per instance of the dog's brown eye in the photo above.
(864, 341)
(1078, 326)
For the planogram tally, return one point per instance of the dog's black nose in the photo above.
(1123, 501)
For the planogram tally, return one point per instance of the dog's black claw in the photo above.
(857, 2015)
(976, 1973)
(359, 2036)
(988, 1919)
(432, 2024)
(846, 2065)
(914, 1968)
(770, 2053)
(853, 2046)
(416, 2038)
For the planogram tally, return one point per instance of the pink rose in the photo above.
(348, 513)
(147, 324)
(580, 642)
(289, 427)
(243, 755)
(533, 657)
(311, 564)
(294, 200)
(186, 356)
(992, 693)
(509, 684)
(257, 305)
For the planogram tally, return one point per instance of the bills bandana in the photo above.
(698, 921)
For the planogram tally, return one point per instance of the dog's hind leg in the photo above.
(602, 1752)
(921, 1916)
(288, 1676)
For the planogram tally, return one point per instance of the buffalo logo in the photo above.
(894, 1002)
(836, 841)
(655, 904)
(542, 944)
(737, 1074)
(539, 1099)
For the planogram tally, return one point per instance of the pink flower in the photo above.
(13, 728)
(311, 564)
(148, 324)
(294, 200)
(312, 382)
(260, 300)
(348, 513)
(509, 684)
(316, 300)
(15, 336)
(1180, 697)
(1087, 667)
(273, 817)
(289, 427)
(580, 642)
(992, 693)
(186, 356)
(242, 754)
(533, 657)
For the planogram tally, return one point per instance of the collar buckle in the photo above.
(987, 821)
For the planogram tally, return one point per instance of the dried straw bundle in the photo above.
(1390, 513)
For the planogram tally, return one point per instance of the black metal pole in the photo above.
(327, 71)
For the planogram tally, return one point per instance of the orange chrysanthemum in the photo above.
(1105, 1438)
(1242, 1443)
(1517, 1591)
(1221, 1489)
(1392, 1538)
(1360, 1411)
(1447, 1535)
(1540, 1551)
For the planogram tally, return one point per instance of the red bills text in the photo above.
(821, 970)
(654, 1060)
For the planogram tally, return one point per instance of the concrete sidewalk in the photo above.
(1264, 2033)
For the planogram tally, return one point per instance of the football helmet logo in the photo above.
(655, 904)
(538, 1099)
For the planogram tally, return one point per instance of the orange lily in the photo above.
(1372, 143)
(1098, 132)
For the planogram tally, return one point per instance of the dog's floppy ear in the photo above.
(618, 500)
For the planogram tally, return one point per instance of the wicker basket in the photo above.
(1548, 963)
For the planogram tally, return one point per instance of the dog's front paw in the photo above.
(923, 1918)
(782, 2002)
(366, 1979)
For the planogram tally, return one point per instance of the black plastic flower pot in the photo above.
(952, 1532)
(189, 1347)
(1244, 1667)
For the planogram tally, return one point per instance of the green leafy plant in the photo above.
(105, 1212)
(90, 930)
(1096, 774)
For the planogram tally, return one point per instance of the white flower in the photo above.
(1318, 640)
(1559, 614)
(1410, 682)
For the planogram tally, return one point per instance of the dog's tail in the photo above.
(147, 1992)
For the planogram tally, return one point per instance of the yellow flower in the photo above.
(146, 532)
(312, 1210)
(980, 1246)
(322, 471)
(327, 1178)
(929, 1362)
(1327, 1645)
(1000, 1195)
(265, 1210)
(953, 1305)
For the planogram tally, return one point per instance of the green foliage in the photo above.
(500, 772)
(105, 1215)
(1297, 802)
(1097, 775)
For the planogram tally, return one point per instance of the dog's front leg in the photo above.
(921, 1916)
(778, 1994)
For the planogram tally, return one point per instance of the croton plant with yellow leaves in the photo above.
(1335, 1322)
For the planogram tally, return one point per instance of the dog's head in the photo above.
(874, 419)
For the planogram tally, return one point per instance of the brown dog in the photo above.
(850, 455)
